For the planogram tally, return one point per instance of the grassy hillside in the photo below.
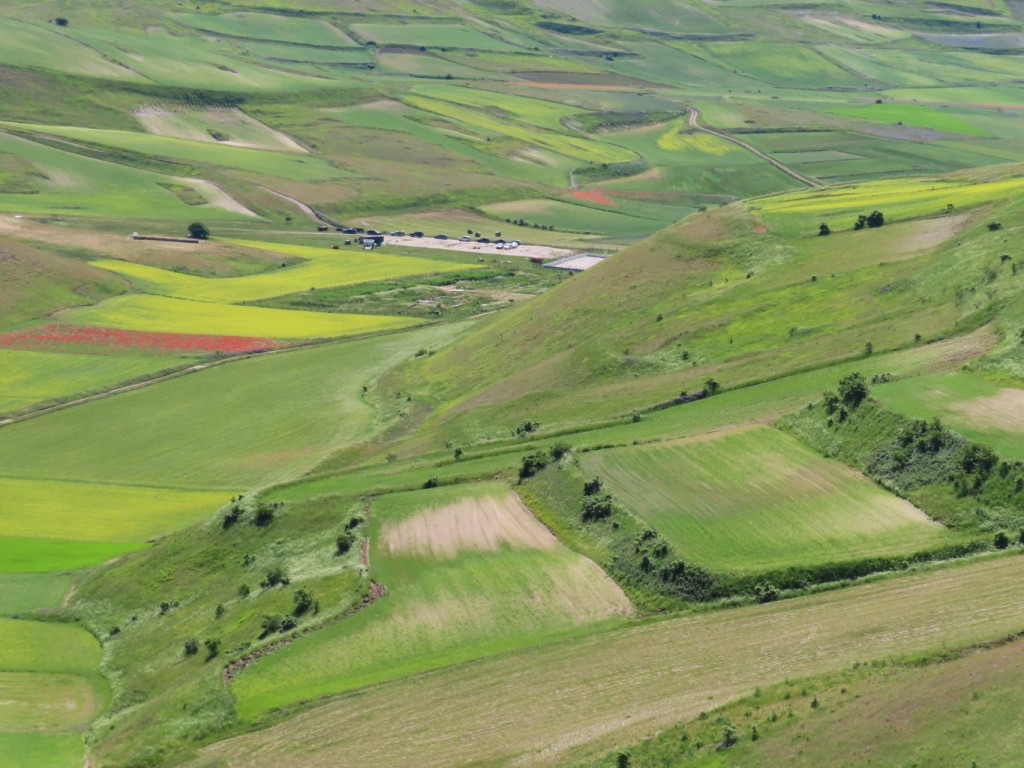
(739, 295)
(270, 497)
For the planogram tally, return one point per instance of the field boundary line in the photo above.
(694, 117)
(194, 369)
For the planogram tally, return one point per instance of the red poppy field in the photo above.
(57, 337)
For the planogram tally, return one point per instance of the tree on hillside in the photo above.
(824, 229)
(853, 388)
(198, 231)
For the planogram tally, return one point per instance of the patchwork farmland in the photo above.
(746, 491)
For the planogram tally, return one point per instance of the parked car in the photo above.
(440, 237)
(465, 239)
(374, 232)
(483, 240)
(417, 233)
(398, 233)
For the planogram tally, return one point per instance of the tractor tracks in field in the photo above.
(694, 118)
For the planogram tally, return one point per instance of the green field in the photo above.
(912, 114)
(779, 64)
(575, 147)
(25, 592)
(266, 26)
(436, 35)
(469, 573)
(142, 312)
(231, 427)
(952, 709)
(36, 556)
(66, 182)
(160, 56)
(656, 672)
(284, 165)
(396, 603)
(99, 513)
(324, 268)
(50, 689)
(758, 499)
(968, 404)
(28, 377)
(30, 45)
(31, 750)
(898, 198)
(216, 126)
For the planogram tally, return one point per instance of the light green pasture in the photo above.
(73, 184)
(465, 142)
(912, 114)
(576, 147)
(896, 198)
(285, 165)
(432, 35)
(326, 268)
(39, 556)
(267, 26)
(579, 218)
(28, 376)
(47, 703)
(539, 112)
(756, 499)
(232, 427)
(24, 592)
(33, 646)
(297, 53)
(966, 403)
(185, 60)
(54, 509)
(24, 44)
(781, 64)
(439, 610)
(42, 750)
(137, 312)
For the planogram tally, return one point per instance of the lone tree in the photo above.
(853, 389)
(198, 231)
(824, 229)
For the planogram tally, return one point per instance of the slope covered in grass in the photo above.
(758, 499)
(469, 572)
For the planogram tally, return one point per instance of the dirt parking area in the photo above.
(545, 252)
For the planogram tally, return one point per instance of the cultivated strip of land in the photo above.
(535, 707)
(694, 118)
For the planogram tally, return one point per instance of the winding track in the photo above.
(694, 116)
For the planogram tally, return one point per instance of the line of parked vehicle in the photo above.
(498, 241)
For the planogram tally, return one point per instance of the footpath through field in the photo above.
(534, 707)
(694, 117)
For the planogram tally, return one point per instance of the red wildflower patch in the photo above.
(595, 197)
(57, 337)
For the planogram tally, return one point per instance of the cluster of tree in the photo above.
(598, 504)
(212, 647)
(958, 481)
(198, 231)
(711, 387)
(348, 537)
(263, 513)
(534, 462)
(524, 223)
(276, 576)
(872, 220)
(526, 428)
